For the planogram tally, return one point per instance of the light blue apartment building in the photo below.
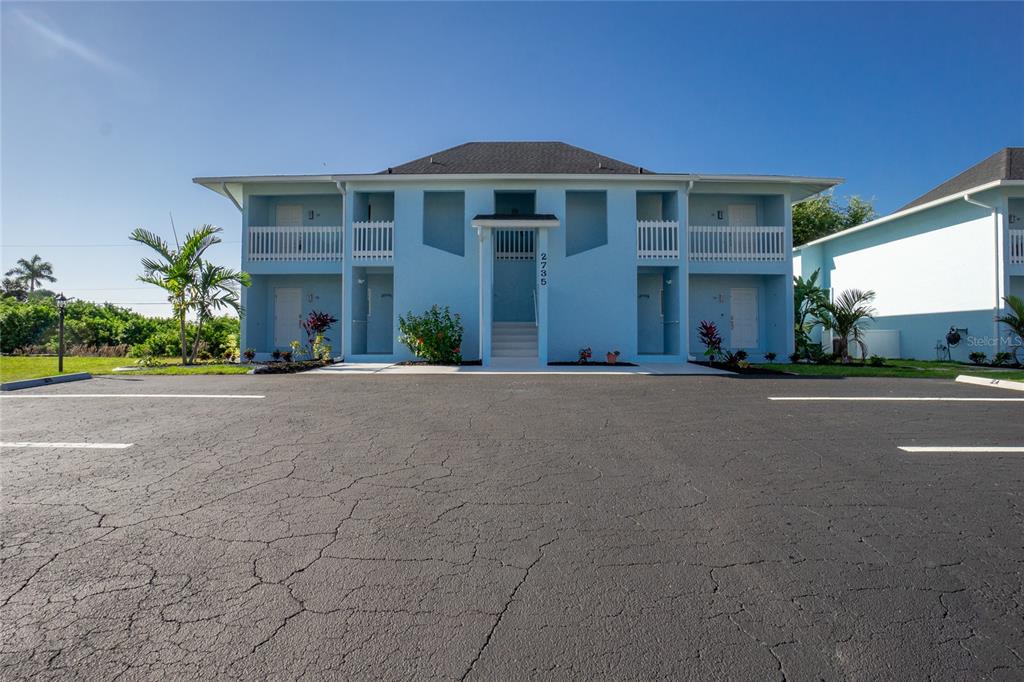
(944, 261)
(542, 247)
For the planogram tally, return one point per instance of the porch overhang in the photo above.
(499, 221)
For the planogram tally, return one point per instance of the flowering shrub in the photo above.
(435, 336)
(711, 339)
(585, 355)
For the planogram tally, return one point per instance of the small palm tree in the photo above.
(215, 288)
(32, 272)
(177, 270)
(845, 317)
(1015, 321)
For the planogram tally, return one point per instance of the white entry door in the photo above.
(289, 214)
(743, 318)
(742, 214)
(287, 316)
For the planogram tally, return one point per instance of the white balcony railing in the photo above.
(713, 243)
(1015, 246)
(373, 239)
(295, 243)
(657, 239)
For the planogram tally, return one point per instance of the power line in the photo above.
(82, 246)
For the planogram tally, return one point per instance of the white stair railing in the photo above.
(737, 243)
(295, 243)
(373, 239)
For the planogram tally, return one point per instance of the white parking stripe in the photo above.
(895, 399)
(74, 446)
(946, 448)
(37, 396)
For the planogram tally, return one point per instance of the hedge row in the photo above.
(32, 325)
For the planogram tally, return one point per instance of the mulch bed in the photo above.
(464, 363)
(591, 364)
(751, 371)
(288, 367)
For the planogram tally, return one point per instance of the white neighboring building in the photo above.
(945, 260)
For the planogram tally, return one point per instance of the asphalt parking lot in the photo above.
(497, 527)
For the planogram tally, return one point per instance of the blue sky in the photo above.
(109, 110)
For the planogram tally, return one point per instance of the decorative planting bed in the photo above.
(591, 364)
(288, 367)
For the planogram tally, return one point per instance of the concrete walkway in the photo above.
(516, 366)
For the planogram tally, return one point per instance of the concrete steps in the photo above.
(514, 340)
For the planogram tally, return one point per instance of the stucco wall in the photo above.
(258, 323)
(711, 299)
(930, 270)
(591, 295)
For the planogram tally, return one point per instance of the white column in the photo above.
(347, 288)
(683, 202)
(486, 279)
(787, 215)
(543, 255)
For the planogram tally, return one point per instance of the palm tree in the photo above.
(215, 288)
(32, 272)
(845, 316)
(1015, 321)
(177, 270)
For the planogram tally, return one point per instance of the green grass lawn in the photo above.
(14, 367)
(917, 369)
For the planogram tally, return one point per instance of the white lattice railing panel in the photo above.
(1015, 247)
(737, 243)
(373, 239)
(657, 239)
(295, 243)
(514, 244)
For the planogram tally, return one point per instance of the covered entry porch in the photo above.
(513, 286)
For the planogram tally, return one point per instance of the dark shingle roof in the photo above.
(515, 158)
(1006, 164)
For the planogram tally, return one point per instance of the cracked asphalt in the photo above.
(497, 527)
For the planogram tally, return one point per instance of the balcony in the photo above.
(373, 240)
(725, 243)
(295, 243)
(1015, 246)
(657, 239)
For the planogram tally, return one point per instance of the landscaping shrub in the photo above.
(876, 361)
(316, 326)
(712, 340)
(770, 356)
(435, 336)
(977, 357)
(1001, 358)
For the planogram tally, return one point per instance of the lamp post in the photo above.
(62, 303)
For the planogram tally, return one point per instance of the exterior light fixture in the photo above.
(62, 304)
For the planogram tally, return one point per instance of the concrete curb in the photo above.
(44, 381)
(996, 383)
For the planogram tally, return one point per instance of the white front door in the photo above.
(287, 316)
(743, 318)
(289, 214)
(742, 214)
